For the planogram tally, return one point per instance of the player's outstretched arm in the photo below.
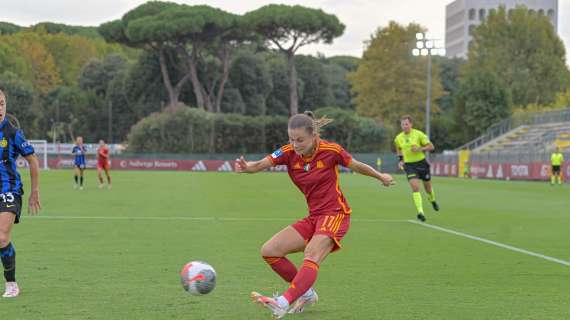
(367, 170)
(243, 166)
(34, 205)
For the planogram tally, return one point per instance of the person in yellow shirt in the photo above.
(556, 159)
(411, 145)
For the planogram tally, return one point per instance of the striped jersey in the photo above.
(317, 176)
(12, 145)
(79, 152)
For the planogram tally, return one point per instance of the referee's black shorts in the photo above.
(555, 169)
(418, 170)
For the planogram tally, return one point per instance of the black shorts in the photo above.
(11, 203)
(418, 170)
(80, 166)
(555, 169)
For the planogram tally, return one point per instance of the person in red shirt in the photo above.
(312, 164)
(103, 163)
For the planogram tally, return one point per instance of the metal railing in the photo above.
(530, 118)
(498, 157)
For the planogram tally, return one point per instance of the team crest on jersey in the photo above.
(307, 167)
(3, 143)
(297, 166)
(276, 154)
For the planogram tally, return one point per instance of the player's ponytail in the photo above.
(307, 121)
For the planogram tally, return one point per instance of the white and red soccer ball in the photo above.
(198, 278)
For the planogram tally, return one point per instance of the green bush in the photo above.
(191, 130)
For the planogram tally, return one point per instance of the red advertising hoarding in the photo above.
(151, 164)
(502, 171)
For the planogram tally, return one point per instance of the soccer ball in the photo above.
(198, 278)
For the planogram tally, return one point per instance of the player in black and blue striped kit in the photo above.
(12, 145)
(79, 151)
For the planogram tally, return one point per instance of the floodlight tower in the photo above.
(427, 46)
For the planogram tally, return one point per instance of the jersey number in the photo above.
(328, 223)
(7, 197)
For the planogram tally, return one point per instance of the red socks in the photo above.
(283, 267)
(303, 281)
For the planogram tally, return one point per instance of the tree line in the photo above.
(516, 63)
(178, 78)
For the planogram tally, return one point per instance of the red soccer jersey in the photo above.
(317, 177)
(103, 154)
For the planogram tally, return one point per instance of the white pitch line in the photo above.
(491, 242)
(195, 218)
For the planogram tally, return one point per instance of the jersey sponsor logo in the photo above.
(3, 143)
(320, 164)
(276, 154)
(297, 166)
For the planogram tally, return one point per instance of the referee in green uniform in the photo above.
(411, 145)
(556, 159)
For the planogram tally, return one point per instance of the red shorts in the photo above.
(334, 225)
(103, 165)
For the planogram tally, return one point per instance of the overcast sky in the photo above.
(361, 17)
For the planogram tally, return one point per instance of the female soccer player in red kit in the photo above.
(103, 164)
(312, 164)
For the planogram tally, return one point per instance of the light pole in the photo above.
(427, 46)
(110, 123)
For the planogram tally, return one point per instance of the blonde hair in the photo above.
(307, 121)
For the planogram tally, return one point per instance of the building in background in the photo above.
(462, 16)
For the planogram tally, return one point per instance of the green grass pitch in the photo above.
(117, 254)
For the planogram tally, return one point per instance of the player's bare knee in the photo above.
(4, 238)
(315, 253)
(269, 249)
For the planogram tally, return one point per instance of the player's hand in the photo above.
(387, 180)
(401, 165)
(416, 148)
(241, 165)
(34, 205)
